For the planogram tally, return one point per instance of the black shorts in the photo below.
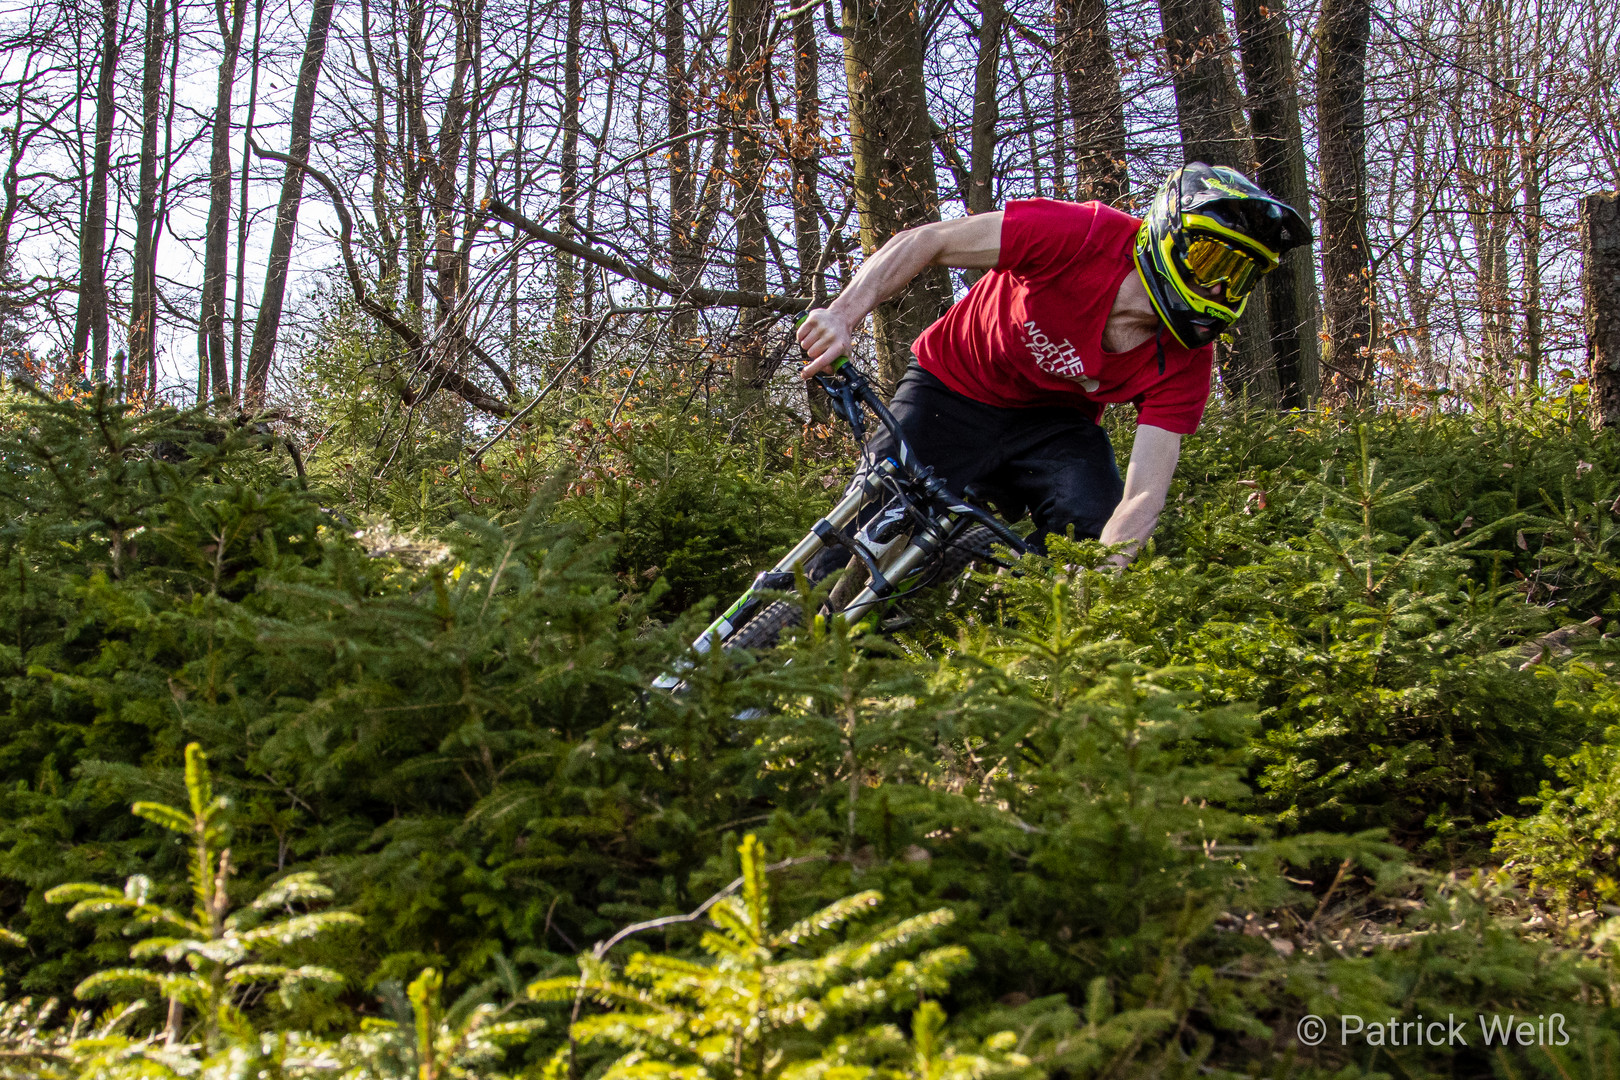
(1048, 460)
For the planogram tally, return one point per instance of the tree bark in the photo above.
(745, 35)
(1214, 130)
(216, 236)
(564, 316)
(167, 157)
(1096, 107)
(807, 155)
(683, 259)
(443, 162)
(893, 158)
(981, 191)
(143, 285)
(1600, 260)
(1531, 223)
(1341, 85)
(90, 316)
(514, 348)
(807, 143)
(1279, 147)
(383, 151)
(268, 324)
(242, 209)
(413, 171)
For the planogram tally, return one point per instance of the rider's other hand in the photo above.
(825, 337)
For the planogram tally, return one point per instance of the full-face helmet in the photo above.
(1209, 236)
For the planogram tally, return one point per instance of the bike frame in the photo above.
(935, 517)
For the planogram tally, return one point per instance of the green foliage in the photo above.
(335, 686)
(33, 1048)
(1456, 955)
(465, 1042)
(697, 512)
(470, 1038)
(1570, 847)
(1374, 640)
(757, 1010)
(1166, 810)
(228, 954)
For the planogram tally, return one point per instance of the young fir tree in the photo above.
(224, 953)
(778, 1004)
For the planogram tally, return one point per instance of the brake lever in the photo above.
(842, 382)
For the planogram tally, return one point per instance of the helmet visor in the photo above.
(1211, 261)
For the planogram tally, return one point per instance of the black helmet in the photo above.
(1211, 226)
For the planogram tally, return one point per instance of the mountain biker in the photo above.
(1082, 306)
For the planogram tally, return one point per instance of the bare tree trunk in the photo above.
(683, 260)
(268, 323)
(1600, 253)
(1532, 223)
(745, 37)
(564, 315)
(1209, 108)
(242, 211)
(17, 145)
(413, 171)
(1279, 146)
(444, 162)
(216, 237)
(143, 286)
(382, 153)
(981, 189)
(806, 151)
(1341, 85)
(1060, 133)
(167, 157)
(1530, 130)
(90, 318)
(893, 157)
(1482, 169)
(472, 216)
(1096, 108)
(1214, 130)
(519, 149)
(807, 155)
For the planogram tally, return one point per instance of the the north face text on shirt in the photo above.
(1060, 359)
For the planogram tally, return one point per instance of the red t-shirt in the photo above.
(1030, 331)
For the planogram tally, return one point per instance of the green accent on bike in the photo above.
(724, 620)
(738, 606)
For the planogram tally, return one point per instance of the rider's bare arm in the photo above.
(970, 243)
(1147, 482)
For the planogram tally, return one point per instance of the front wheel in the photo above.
(765, 629)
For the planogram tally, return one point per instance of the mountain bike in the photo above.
(896, 531)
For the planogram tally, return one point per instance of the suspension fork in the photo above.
(924, 545)
(781, 576)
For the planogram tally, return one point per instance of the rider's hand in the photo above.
(825, 336)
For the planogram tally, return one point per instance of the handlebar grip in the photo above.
(836, 364)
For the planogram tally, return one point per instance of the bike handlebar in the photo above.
(848, 388)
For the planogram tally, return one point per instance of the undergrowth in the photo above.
(1166, 813)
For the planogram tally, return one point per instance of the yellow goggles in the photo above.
(1211, 261)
